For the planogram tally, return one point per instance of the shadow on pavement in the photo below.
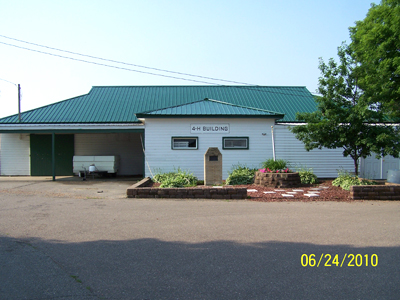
(156, 269)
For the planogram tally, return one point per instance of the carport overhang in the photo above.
(71, 129)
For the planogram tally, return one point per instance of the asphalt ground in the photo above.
(85, 240)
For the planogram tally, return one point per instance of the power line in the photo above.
(128, 64)
(8, 81)
(105, 65)
(246, 86)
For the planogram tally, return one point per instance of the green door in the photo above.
(41, 154)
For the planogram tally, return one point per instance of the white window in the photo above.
(184, 143)
(235, 143)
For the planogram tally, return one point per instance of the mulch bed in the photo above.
(329, 193)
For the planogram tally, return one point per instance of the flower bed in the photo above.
(279, 179)
(142, 189)
(327, 192)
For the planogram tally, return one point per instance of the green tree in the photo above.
(376, 45)
(343, 119)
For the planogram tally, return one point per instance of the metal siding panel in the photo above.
(126, 145)
(120, 110)
(161, 157)
(14, 158)
(325, 162)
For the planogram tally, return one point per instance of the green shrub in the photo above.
(177, 178)
(307, 176)
(241, 175)
(345, 180)
(274, 165)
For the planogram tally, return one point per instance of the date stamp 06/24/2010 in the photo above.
(347, 260)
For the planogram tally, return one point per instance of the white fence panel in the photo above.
(373, 168)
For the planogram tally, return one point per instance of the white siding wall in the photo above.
(160, 156)
(324, 162)
(15, 154)
(126, 145)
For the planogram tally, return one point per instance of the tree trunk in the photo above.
(355, 166)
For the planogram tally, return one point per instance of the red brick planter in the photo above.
(277, 180)
(375, 192)
(139, 190)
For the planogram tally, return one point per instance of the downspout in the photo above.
(19, 103)
(142, 137)
(273, 142)
(145, 159)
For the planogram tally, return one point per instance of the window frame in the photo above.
(237, 138)
(185, 137)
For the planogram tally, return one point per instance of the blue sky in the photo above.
(274, 43)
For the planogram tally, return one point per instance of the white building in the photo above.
(162, 128)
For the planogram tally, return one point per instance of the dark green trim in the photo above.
(185, 137)
(75, 131)
(53, 155)
(235, 137)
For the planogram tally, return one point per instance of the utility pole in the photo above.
(19, 97)
(19, 103)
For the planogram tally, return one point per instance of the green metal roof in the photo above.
(119, 104)
(210, 108)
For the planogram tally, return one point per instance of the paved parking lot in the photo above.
(85, 240)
